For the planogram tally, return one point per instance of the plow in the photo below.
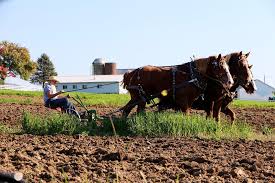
(89, 115)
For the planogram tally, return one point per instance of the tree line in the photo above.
(17, 58)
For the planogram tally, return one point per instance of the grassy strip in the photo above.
(25, 101)
(21, 93)
(102, 99)
(190, 126)
(51, 124)
(149, 124)
(88, 99)
(256, 104)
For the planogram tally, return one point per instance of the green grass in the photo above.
(21, 93)
(51, 124)
(27, 101)
(153, 124)
(250, 103)
(88, 99)
(147, 124)
(102, 99)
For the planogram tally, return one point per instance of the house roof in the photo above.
(90, 79)
(265, 84)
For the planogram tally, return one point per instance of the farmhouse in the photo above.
(264, 91)
(93, 83)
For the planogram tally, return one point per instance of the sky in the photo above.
(134, 33)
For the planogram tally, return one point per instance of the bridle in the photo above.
(239, 76)
(219, 76)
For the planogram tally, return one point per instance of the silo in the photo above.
(98, 66)
(110, 68)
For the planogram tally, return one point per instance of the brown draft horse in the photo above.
(215, 98)
(184, 83)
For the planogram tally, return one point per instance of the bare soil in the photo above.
(81, 158)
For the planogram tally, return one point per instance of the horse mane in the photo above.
(202, 63)
(231, 56)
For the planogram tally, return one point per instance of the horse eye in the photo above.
(215, 63)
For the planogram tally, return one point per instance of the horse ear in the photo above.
(241, 53)
(246, 55)
(250, 66)
(219, 57)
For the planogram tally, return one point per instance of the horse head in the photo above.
(218, 70)
(251, 87)
(241, 71)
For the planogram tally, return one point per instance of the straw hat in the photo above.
(53, 78)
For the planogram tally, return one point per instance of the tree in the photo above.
(18, 59)
(45, 68)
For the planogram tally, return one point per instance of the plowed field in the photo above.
(80, 158)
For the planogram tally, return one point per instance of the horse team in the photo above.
(208, 84)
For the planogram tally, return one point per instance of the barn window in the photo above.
(65, 87)
(74, 86)
(84, 87)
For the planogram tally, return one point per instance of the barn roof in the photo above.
(90, 79)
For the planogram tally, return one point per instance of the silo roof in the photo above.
(99, 61)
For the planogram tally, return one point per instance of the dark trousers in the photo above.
(63, 103)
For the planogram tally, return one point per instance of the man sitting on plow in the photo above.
(53, 100)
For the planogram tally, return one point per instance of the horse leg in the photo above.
(216, 112)
(184, 109)
(227, 111)
(209, 109)
(141, 107)
(217, 109)
(128, 107)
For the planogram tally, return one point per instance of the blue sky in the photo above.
(135, 33)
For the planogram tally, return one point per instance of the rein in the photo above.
(216, 80)
(96, 86)
(199, 85)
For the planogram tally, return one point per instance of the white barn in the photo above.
(92, 84)
(264, 91)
